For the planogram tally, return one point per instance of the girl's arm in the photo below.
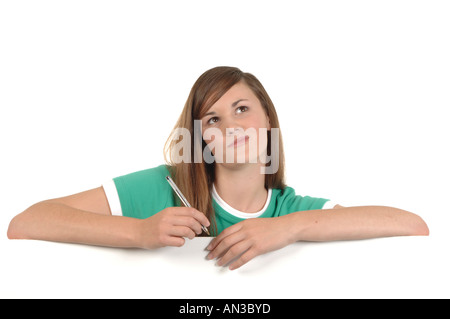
(348, 223)
(85, 218)
(256, 236)
(53, 221)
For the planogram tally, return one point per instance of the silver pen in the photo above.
(182, 198)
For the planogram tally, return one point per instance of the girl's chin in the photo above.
(237, 162)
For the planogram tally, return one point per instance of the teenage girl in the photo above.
(245, 203)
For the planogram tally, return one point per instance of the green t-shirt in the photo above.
(147, 192)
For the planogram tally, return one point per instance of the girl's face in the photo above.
(236, 126)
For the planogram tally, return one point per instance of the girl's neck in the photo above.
(241, 187)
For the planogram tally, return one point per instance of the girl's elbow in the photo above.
(420, 228)
(14, 229)
(424, 230)
(18, 226)
(412, 224)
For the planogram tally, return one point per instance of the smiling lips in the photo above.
(239, 141)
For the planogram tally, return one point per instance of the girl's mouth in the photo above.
(240, 141)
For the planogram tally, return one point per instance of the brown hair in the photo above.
(195, 180)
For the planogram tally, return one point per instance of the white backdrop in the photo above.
(90, 90)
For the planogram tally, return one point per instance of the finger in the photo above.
(182, 231)
(245, 258)
(199, 216)
(217, 240)
(225, 233)
(174, 241)
(190, 222)
(234, 252)
(225, 244)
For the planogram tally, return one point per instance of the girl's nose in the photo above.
(234, 130)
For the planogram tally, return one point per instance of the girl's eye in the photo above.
(212, 118)
(244, 108)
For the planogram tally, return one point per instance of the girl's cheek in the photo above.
(214, 142)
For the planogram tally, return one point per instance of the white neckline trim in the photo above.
(236, 212)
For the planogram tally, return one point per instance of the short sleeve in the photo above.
(141, 194)
(288, 202)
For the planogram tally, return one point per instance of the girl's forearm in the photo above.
(62, 223)
(350, 223)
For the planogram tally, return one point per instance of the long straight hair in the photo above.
(195, 180)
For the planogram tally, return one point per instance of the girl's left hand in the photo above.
(249, 238)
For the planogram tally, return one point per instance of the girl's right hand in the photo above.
(170, 226)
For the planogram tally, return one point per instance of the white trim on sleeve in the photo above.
(113, 197)
(329, 204)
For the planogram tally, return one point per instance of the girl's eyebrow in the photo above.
(232, 105)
